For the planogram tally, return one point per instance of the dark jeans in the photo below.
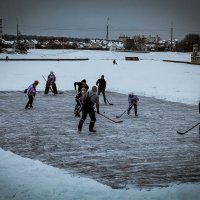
(102, 90)
(135, 108)
(30, 102)
(91, 113)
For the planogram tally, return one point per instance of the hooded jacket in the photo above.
(93, 96)
(132, 99)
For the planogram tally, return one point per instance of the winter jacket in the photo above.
(132, 99)
(93, 97)
(80, 86)
(78, 96)
(101, 83)
(31, 90)
(51, 79)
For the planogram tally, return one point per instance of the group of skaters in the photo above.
(85, 99)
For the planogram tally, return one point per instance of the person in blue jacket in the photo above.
(132, 101)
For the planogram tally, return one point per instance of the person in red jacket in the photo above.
(79, 102)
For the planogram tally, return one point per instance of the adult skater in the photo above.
(31, 92)
(81, 85)
(101, 83)
(89, 100)
(51, 83)
(132, 101)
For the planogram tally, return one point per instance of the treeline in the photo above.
(138, 43)
(186, 45)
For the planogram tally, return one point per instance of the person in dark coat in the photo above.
(89, 99)
(132, 101)
(101, 83)
(81, 85)
(114, 62)
(31, 92)
(51, 83)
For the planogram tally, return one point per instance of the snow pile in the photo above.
(23, 178)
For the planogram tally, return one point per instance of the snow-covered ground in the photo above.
(22, 178)
(148, 77)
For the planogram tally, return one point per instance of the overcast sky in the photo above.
(89, 18)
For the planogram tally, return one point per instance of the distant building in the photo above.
(123, 38)
(115, 45)
(195, 57)
(153, 40)
(31, 44)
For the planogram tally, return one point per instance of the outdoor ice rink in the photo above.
(143, 152)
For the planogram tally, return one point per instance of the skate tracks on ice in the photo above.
(143, 152)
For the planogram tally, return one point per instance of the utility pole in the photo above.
(17, 31)
(1, 29)
(107, 33)
(171, 35)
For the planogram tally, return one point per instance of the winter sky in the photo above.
(89, 18)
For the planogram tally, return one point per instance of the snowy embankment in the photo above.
(23, 178)
(150, 76)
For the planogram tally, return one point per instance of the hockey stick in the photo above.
(182, 133)
(115, 121)
(118, 116)
(109, 102)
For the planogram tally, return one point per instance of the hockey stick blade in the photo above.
(118, 121)
(113, 120)
(109, 102)
(180, 133)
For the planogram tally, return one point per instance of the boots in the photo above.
(91, 126)
(80, 125)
